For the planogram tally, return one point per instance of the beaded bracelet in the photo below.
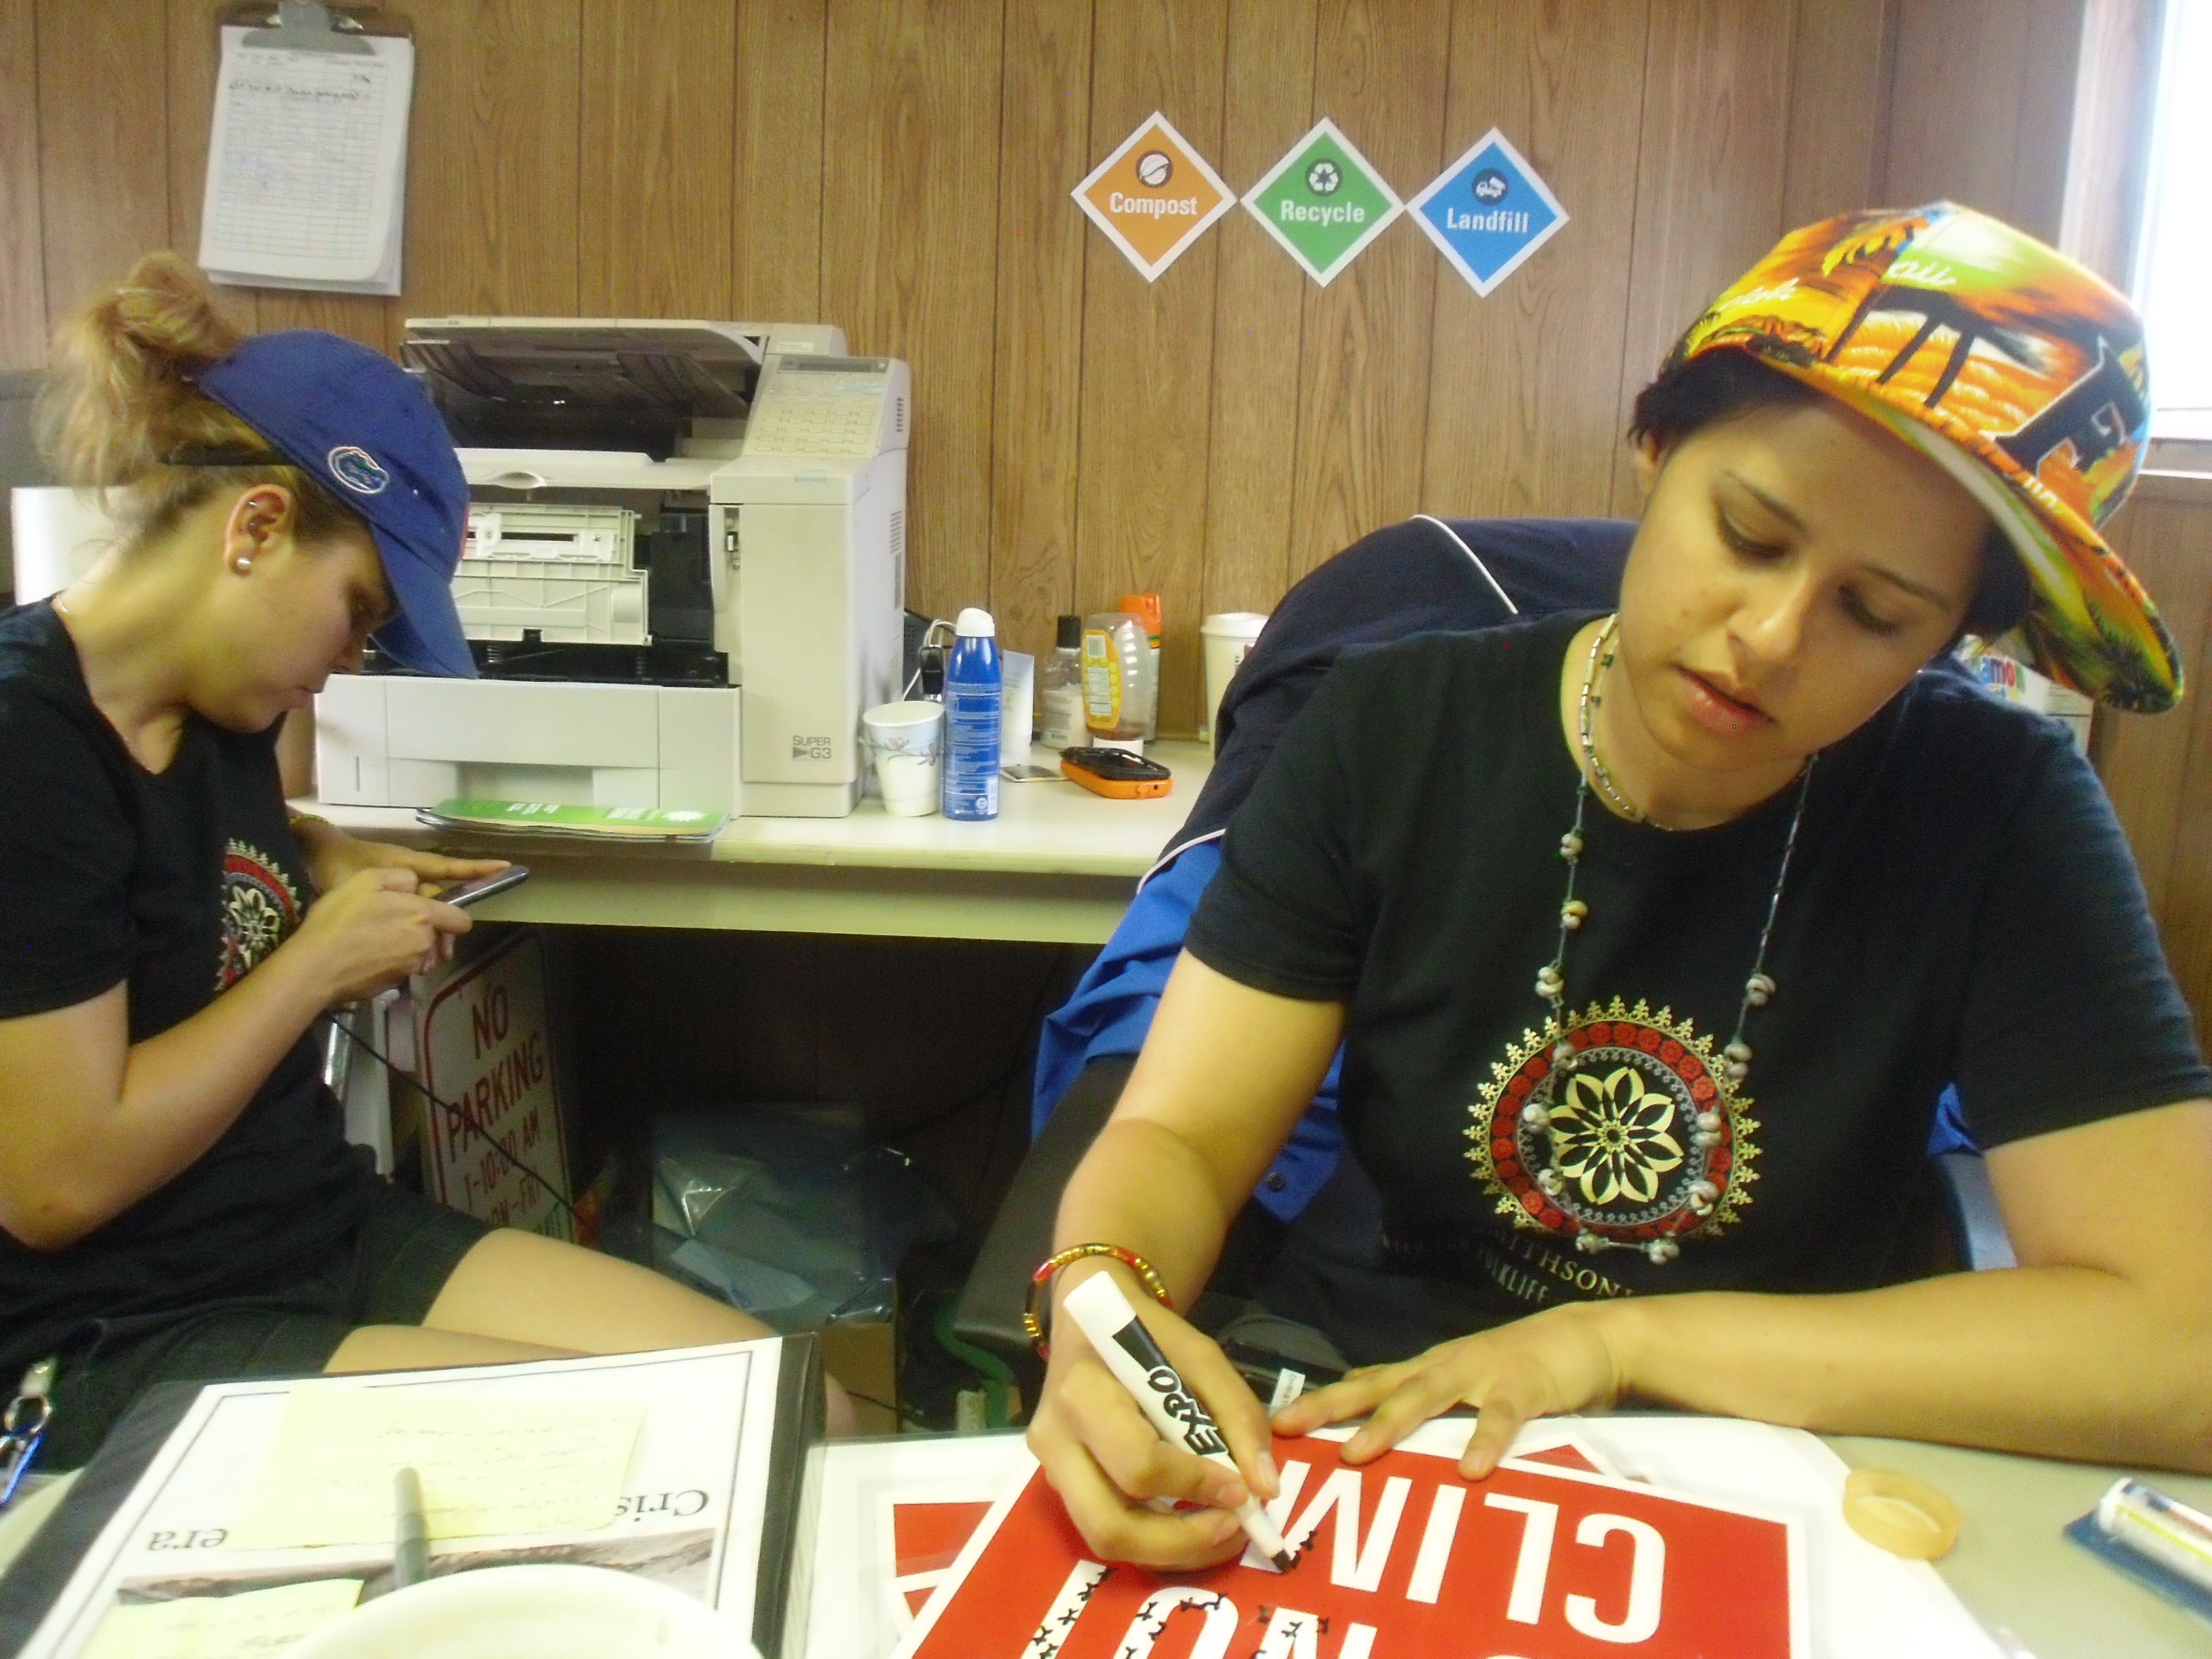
(1033, 1327)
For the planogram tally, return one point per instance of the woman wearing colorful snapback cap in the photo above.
(177, 1198)
(1651, 939)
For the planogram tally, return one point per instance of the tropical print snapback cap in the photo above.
(2019, 372)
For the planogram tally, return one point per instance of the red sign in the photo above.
(487, 1053)
(1398, 1560)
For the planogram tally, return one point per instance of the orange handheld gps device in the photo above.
(1116, 773)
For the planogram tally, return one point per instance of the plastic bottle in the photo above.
(972, 718)
(1147, 605)
(1116, 678)
(1060, 688)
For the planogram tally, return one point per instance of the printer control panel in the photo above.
(845, 408)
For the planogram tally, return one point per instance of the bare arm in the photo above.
(1224, 1075)
(90, 1122)
(2096, 1346)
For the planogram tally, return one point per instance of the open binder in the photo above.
(200, 1496)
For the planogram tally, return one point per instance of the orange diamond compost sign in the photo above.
(1154, 196)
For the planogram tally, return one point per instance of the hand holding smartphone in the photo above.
(470, 892)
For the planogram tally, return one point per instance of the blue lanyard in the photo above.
(23, 1425)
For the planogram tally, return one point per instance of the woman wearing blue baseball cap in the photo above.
(177, 1197)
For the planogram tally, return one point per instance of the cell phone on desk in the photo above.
(1116, 773)
(468, 892)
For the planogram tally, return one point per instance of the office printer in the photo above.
(684, 578)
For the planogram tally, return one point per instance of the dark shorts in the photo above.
(388, 1273)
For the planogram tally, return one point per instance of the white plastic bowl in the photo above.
(545, 1612)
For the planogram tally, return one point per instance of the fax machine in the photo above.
(684, 580)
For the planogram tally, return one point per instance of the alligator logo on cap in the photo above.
(357, 469)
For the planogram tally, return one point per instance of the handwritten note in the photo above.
(247, 1626)
(307, 165)
(487, 1467)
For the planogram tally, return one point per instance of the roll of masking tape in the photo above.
(1900, 1513)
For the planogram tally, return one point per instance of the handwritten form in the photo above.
(487, 1467)
(248, 1625)
(308, 167)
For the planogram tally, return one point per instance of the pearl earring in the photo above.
(242, 564)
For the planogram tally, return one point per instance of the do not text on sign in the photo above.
(1399, 1558)
(1154, 196)
(486, 1048)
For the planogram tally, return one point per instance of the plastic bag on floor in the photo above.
(793, 1215)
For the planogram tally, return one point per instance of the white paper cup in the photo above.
(906, 740)
(548, 1611)
(1229, 635)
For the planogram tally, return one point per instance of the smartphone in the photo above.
(1116, 773)
(484, 886)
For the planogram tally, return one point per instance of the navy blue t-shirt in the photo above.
(1961, 908)
(176, 884)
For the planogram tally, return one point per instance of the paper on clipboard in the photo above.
(308, 165)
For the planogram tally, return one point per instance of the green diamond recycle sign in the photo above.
(1324, 202)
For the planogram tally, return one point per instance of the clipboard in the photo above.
(306, 179)
(310, 26)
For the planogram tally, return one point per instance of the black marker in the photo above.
(1122, 1340)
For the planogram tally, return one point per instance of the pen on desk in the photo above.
(2140, 1518)
(411, 1541)
(1127, 1349)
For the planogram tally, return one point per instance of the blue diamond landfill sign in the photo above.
(1488, 211)
(1324, 202)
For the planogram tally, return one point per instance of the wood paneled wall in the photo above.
(903, 167)
(2158, 768)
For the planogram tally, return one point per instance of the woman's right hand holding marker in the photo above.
(1108, 1462)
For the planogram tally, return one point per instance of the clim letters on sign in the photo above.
(1156, 207)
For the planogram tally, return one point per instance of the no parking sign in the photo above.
(487, 1048)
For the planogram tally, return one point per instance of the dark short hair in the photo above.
(1722, 386)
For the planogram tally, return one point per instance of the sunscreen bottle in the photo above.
(972, 714)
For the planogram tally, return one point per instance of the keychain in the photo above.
(23, 1427)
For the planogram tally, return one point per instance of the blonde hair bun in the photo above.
(120, 398)
(119, 392)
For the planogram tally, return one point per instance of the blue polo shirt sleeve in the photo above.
(1112, 1008)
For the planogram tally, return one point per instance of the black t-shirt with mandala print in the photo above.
(1961, 908)
(176, 884)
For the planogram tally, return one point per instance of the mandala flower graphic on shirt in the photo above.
(260, 908)
(1611, 1137)
(1639, 1137)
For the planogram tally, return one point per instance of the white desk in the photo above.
(1057, 866)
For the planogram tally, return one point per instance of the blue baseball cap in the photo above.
(360, 426)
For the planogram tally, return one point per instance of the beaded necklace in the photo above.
(1551, 979)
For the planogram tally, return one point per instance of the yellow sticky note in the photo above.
(487, 1467)
(242, 1627)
